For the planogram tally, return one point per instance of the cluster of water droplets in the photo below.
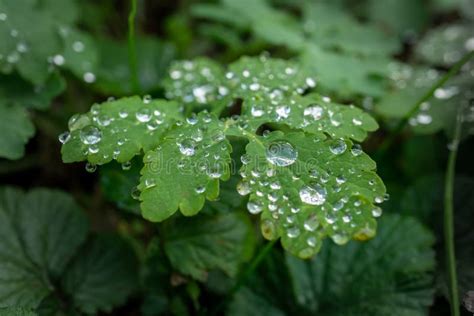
(8, 60)
(311, 203)
(103, 126)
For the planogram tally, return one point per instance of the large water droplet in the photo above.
(64, 137)
(293, 232)
(187, 147)
(90, 135)
(254, 207)
(340, 239)
(311, 224)
(338, 147)
(315, 111)
(243, 188)
(313, 194)
(281, 154)
(143, 115)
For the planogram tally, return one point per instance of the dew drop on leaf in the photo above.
(254, 207)
(243, 188)
(281, 154)
(90, 135)
(313, 194)
(268, 229)
(64, 137)
(143, 115)
(338, 147)
(90, 167)
(315, 111)
(187, 147)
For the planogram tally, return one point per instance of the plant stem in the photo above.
(416, 107)
(132, 52)
(448, 218)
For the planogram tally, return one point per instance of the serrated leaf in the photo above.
(118, 130)
(346, 74)
(102, 275)
(206, 242)
(437, 113)
(196, 82)
(446, 44)
(16, 91)
(15, 131)
(330, 27)
(27, 48)
(389, 275)
(80, 54)
(40, 232)
(309, 187)
(185, 169)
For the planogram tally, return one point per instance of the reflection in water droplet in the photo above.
(281, 154)
(338, 147)
(313, 194)
(90, 135)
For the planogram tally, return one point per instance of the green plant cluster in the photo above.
(238, 157)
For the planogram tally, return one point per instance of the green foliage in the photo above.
(389, 275)
(42, 233)
(348, 56)
(208, 242)
(184, 163)
(16, 129)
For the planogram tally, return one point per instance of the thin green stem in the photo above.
(132, 51)
(416, 107)
(448, 219)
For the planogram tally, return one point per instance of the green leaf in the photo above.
(185, 169)
(25, 48)
(15, 131)
(16, 311)
(346, 74)
(446, 44)
(331, 28)
(41, 230)
(401, 16)
(424, 199)
(80, 54)
(113, 72)
(206, 242)
(439, 112)
(118, 184)
(309, 187)
(16, 91)
(389, 275)
(118, 130)
(102, 275)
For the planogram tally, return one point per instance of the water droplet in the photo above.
(340, 239)
(91, 167)
(243, 188)
(64, 137)
(257, 111)
(310, 82)
(90, 135)
(313, 194)
(283, 111)
(123, 114)
(104, 120)
(59, 60)
(311, 224)
(200, 189)
(135, 193)
(146, 99)
(376, 212)
(356, 150)
(312, 241)
(281, 154)
(143, 115)
(78, 46)
(356, 122)
(315, 111)
(192, 120)
(3, 17)
(293, 232)
(89, 77)
(338, 147)
(254, 207)
(187, 147)
(424, 119)
(150, 183)
(127, 165)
